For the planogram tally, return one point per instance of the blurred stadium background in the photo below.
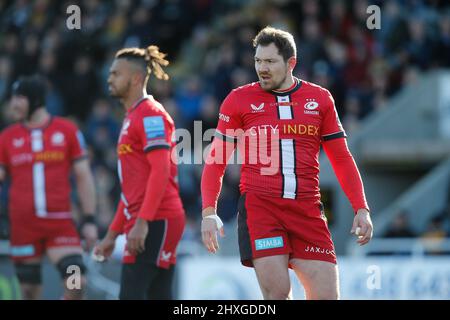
(392, 91)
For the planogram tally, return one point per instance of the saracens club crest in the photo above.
(310, 107)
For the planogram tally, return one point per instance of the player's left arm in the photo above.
(350, 180)
(86, 193)
(84, 183)
(334, 143)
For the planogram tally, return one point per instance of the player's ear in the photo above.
(138, 78)
(292, 61)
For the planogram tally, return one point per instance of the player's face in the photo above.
(119, 79)
(19, 107)
(270, 67)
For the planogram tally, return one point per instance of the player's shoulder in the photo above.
(310, 86)
(150, 107)
(63, 123)
(246, 89)
(320, 94)
(11, 129)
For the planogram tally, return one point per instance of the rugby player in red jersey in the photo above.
(39, 154)
(150, 211)
(278, 124)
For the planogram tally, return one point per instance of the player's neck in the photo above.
(133, 97)
(39, 118)
(288, 84)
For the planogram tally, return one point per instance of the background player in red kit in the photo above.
(39, 154)
(150, 211)
(281, 222)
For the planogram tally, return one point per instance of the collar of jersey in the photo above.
(42, 127)
(290, 91)
(138, 102)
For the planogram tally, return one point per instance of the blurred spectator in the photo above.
(5, 76)
(400, 227)
(189, 99)
(80, 87)
(435, 233)
(102, 128)
(435, 229)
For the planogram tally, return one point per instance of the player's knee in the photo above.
(70, 265)
(330, 294)
(276, 290)
(29, 273)
(279, 293)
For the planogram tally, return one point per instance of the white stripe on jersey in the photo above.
(163, 242)
(37, 144)
(284, 111)
(122, 196)
(287, 152)
(288, 168)
(119, 171)
(40, 202)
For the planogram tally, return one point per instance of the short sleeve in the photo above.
(331, 125)
(154, 132)
(77, 149)
(229, 121)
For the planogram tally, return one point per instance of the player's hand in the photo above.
(209, 230)
(89, 232)
(362, 226)
(104, 249)
(136, 237)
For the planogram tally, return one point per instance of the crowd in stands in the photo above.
(209, 44)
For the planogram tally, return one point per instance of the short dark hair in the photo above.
(34, 88)
(283, 40)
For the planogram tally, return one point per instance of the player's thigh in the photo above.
(135, 280)
(260, 231)
(161, 243)
(62, 240)
(26, 242)
(161, 288)
(319, 278)
(272, 272)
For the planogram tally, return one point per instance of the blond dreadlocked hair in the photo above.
(153, 58)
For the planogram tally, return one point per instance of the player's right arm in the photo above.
(221, 150)
(105, 248)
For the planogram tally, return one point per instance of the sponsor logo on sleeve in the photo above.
(154, 127)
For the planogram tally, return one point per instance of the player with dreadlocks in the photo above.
(150, 211)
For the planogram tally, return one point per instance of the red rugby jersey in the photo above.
(146, 127)
(39, 163)
(279, 136)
